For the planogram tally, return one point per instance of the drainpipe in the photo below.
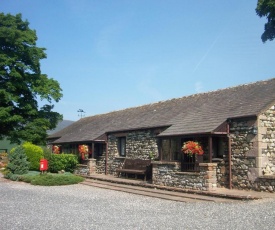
(229, 155)
(106, 158)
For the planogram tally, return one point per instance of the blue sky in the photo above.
(114, 54)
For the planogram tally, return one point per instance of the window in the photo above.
(98, 150)
(122, 146)
(165, 149)
(219, 147)
(171, 149)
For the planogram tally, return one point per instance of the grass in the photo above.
(50, 179)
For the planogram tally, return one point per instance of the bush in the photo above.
(51, 179)
(18, 163)
(29, 176)
(58, 179)
(34, 154)
(66, 162)
(11, 176)
(47, 153)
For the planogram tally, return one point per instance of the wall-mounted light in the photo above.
(254, 130)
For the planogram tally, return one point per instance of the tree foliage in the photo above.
(22, 84)
(34, 154)
(266, 8)
(18, 163)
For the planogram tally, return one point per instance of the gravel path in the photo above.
(23, 206)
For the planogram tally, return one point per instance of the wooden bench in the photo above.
(135, 166)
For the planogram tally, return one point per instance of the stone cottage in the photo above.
(235, 127)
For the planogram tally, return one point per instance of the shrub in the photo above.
(29, 176)
(11, 176)
(51, 179)
(66, 162)
(18, 163)
(34, 155)
(47, 153)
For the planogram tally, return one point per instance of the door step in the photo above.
(156, 193)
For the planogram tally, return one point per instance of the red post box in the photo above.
(43, 165)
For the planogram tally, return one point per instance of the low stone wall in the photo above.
(82, 169)
(169, 174)
(89, 167)
(222, 172)
(265, 184)
(100, 165)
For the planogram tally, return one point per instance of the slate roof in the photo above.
(198, 113)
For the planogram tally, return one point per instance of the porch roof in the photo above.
(198, 113)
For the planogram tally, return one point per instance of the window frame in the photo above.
(122, 146)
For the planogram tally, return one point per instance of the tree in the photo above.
(266, 8)
(18, 163)
(22, 84)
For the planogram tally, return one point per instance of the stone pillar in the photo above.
(208, 171)
(92, 166)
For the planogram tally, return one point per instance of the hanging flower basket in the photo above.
(56, 149)
(84, 151)
(192, 148)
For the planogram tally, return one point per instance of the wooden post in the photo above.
(170, 149)
(210, 148)
(160, 153)
(93, 150)
(229, 156)
(106, 158)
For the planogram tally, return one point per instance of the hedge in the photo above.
(66, 162)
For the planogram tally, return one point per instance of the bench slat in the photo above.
(135, 166)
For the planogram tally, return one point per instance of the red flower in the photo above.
(56, 149)
(83, 150)
(191, 148)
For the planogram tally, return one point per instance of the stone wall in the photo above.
(244, 150)
(222, 172)
(253, 154)
(100, 164)
(169, 174)
(265, 180)
(267, 141)
(82, 169)
(139, 144)
(265, 184)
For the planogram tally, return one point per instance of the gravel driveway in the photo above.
(23, 206)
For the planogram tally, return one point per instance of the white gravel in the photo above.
(23, 206)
